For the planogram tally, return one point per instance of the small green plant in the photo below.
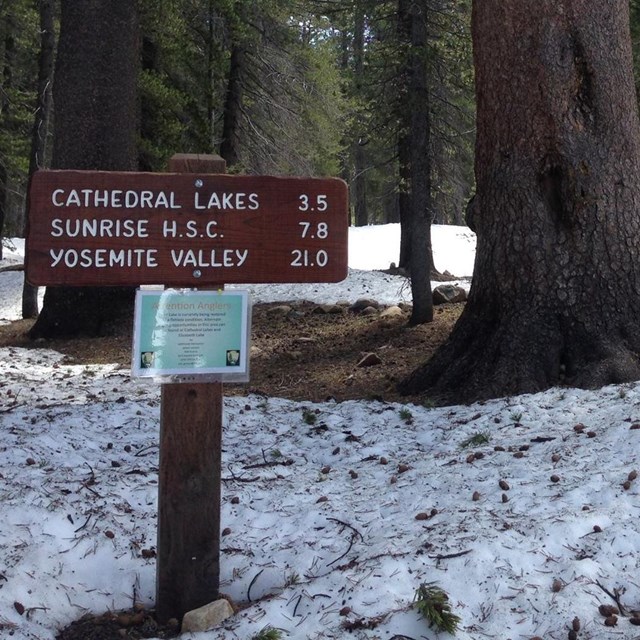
(309, 416)
(433, 605)
(268, 633)
(476, 439)
(275, 453)
(406, 415)
(516, 417)
(429, 403)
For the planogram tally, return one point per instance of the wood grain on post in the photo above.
(188, 546)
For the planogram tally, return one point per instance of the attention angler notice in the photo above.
(183, 332)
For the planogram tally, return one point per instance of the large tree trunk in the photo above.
(556, 290)
(95, 126)
(40, 124)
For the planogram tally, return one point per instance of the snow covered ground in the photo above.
(525, 518)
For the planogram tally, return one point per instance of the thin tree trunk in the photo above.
(556, 290)
(359, 183)
(211, 74)
(421, 206)
(3, 203)
(345, 156)
(229, 148)
(5, 106)
(39, 131)
(403, 32)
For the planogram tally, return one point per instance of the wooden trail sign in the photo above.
(196, 228)
(90, 228)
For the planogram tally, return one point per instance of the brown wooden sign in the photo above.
(89, 228)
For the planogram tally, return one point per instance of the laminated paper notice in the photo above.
(191, 333)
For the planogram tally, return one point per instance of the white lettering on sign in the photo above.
(104, 228)
(307, 203)
(237, 201)
(209, 258)
(101, 258)
(114, 198)
(170, 229)
(306, 258)
(320, 230)
(191, 229)
(99, 228)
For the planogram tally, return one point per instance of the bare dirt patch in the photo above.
(301, 354)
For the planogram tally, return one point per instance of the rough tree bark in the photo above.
(420, 261)
(5, 104)
(556, 290)
(230, 145)
(359, 182)
(414, 159)
(403, 33)
(39, 131)
(95, 127)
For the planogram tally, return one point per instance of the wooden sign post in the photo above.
(193, 228)
(189, 477)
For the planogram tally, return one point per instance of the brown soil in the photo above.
(301, 354)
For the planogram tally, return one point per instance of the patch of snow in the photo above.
(78, 492)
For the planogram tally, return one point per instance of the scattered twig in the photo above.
(348, 526)
(615, 596)
(351, 541)
(365, 623)
(237, 479)
(12, 267)
(92, 477)
(273, 463)
(485, 612)
(145, 449)
(252, 583)
(86, 522)
(91, 481)
(30, 610)
(446, 556)
(354, 535)
(295, 609)
(13, 407)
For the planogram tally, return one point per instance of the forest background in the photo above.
(311, 88)
(381, 94)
